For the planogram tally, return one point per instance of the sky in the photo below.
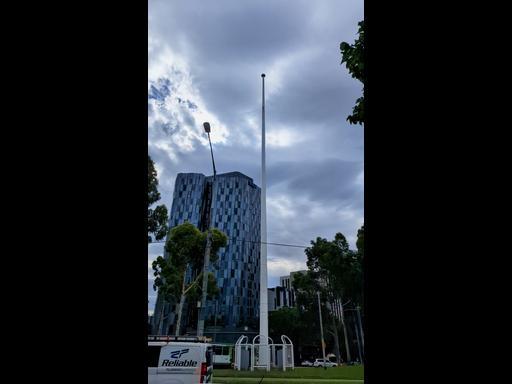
(205, 60)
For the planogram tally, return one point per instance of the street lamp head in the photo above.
(262, 75)
(206, 126)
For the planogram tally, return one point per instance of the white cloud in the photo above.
(281, 206)
(176, 122)
(150, 270)
(282, 267)
(360, 179)
(275, 77)
(283, 137)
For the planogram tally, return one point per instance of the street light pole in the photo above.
(321, 328)
(202, 312)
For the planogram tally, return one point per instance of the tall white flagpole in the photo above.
(263, 229)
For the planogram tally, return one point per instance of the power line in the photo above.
(257, 242)
(289, 245)
(279, 244)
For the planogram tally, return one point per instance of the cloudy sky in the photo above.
(205, 59)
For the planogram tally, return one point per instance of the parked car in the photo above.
(324, 363)
(306, 363)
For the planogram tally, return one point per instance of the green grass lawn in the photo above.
(272, 380)
(345, 372)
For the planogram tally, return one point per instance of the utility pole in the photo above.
(202, 312)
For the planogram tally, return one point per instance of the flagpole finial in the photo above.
(262, 75)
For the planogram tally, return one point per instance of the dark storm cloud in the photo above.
(326, 180)
(230, 43)
(228, 31)
(311, 97)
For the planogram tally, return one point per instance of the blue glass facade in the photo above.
(236, 212)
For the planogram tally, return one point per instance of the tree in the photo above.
(360, 241)
(353, 57)
(358, 265)
(290, 321)
(194, 294)
(338, 272)
(306, 287)
(157, 218)
(185, 247)
(285, 321)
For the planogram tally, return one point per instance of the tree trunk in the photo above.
(361, 333)
(358, 345)
(334, 310)
(162, 299)
(180, 306)
(161, 322)
(345, 334)
(336, 341)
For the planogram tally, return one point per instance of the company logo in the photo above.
(179, 363)
(178, 354)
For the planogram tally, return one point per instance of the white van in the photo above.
(171, 360)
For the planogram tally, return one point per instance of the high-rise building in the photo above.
(288, 295)
(279, 297)
(283, 295)
(236, 212)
